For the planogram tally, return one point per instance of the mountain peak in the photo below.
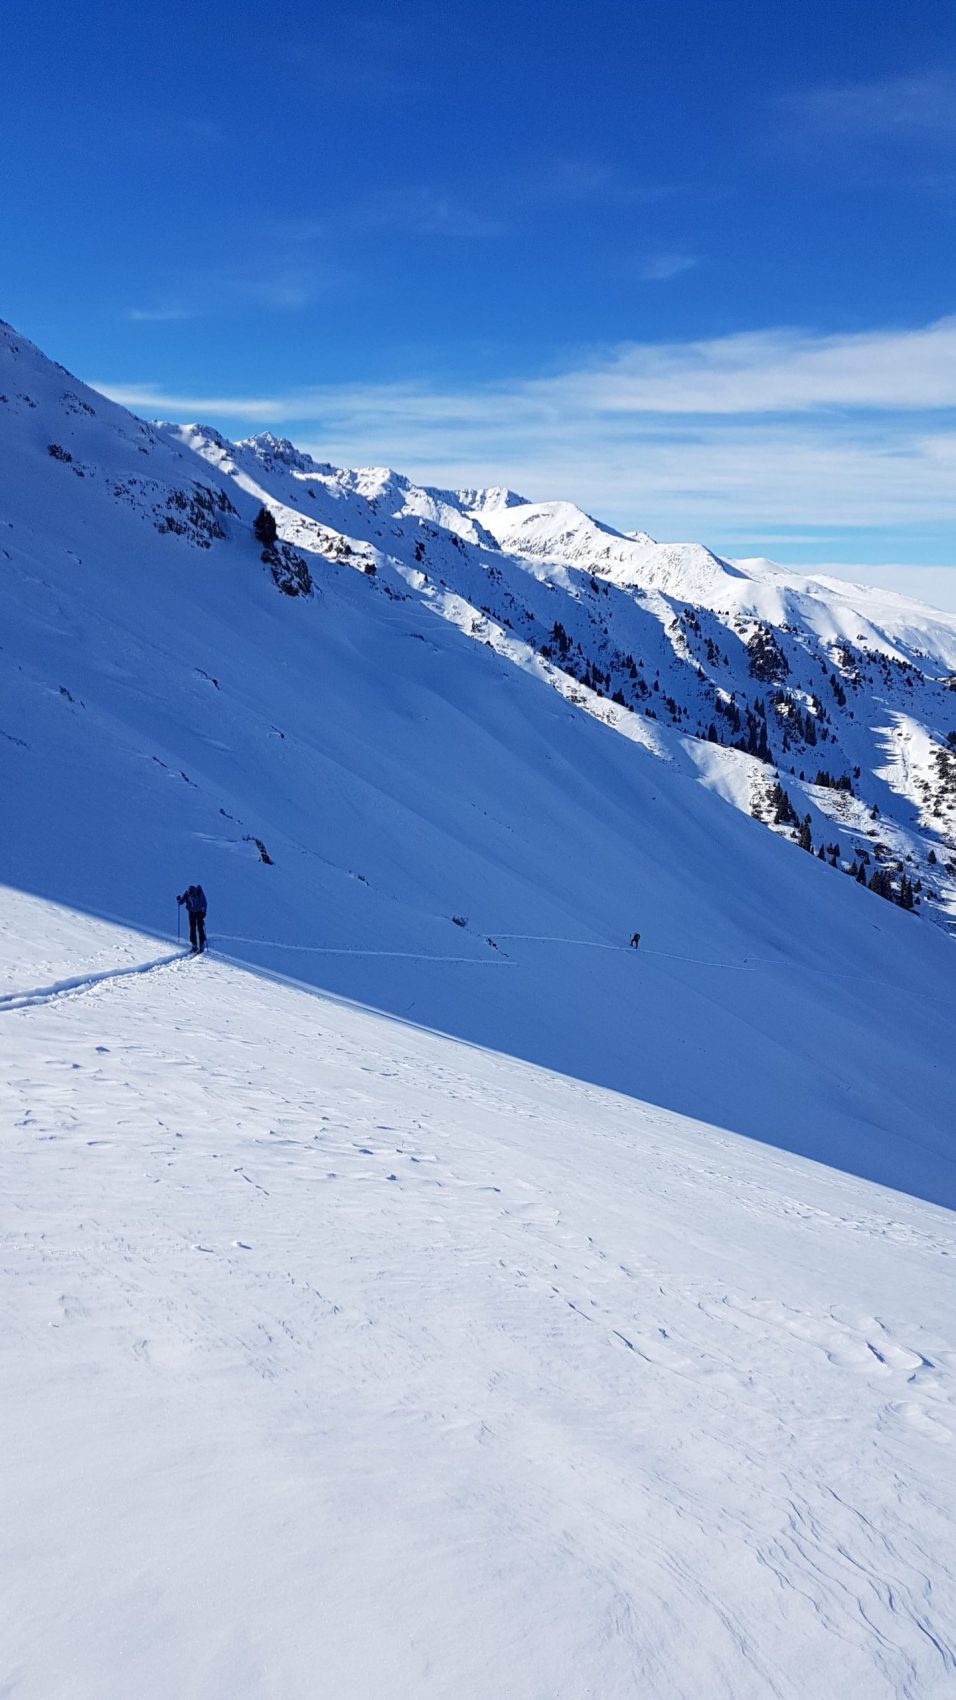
(487, 500)
(277, 451)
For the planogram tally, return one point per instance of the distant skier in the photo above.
(195, 900)
(635, 940)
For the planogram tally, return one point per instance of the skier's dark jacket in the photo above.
(195, 900)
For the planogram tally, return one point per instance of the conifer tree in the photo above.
(881, 883)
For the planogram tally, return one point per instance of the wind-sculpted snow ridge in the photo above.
(475, 732)
(345, 1359)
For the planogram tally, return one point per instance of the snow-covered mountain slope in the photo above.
(342, 1359)
(406, 779)
(845, 697)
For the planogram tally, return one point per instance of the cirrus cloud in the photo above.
(758, 429)
(923, 105)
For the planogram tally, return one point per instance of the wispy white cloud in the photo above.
(941, 447)
(589, 181)
(286, 290)
(160, 403)
(918, 106)
(769, 429)
(781, 371)
(773, 371)
(661, 267)
(159, 315)
(206, 293)
(425, 211)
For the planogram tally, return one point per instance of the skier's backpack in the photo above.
(199, 900)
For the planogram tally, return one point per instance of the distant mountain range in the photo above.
(843, 697)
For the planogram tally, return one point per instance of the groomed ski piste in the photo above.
(342, 1358)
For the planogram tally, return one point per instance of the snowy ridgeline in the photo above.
(388, 792)
(346, 1360)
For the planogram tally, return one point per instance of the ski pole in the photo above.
(179, 922)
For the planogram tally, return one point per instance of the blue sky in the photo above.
(689, 263)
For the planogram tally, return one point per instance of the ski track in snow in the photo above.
(345, 950)
(82, 983)
(342, 1359)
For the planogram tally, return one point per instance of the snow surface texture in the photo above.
(343, 1359)
(392, 794)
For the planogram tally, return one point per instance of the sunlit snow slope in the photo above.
(390, 792)
(343, 1360)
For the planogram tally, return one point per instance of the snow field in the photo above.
(345, 1359)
